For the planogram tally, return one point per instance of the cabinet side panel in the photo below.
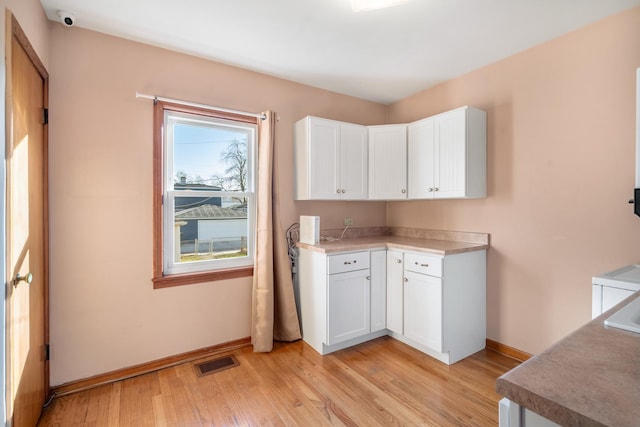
(476, 179)
(596, 301)
(465, 306)
(301, 160)
(395, 276)
(313, 297)
(378, 275)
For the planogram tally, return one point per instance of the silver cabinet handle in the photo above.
(350, 262)
(368, 277)
(338, 191)
(399, 261)
(27, 278)
(405, 280)
(436, 189)
(343, 191)
(422, 265)
(430, 189)
(404, 191)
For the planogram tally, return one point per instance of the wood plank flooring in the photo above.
(380, 383)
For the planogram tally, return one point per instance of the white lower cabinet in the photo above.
(342, 298)
(438, 304)
(433, 303)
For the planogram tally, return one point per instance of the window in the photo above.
(204, 219)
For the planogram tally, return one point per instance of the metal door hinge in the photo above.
(45, 116)
(47, 352)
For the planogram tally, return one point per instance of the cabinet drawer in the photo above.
(348, 262)
(425, 264)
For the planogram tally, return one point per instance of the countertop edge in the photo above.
(384, 242)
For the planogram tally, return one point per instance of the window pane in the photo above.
(207, 230)
(209, 156)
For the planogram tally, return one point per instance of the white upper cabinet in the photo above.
(330, 160)
(447, 155)
(440, 157)
(388, 162)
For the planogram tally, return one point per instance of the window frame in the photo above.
(160, 279)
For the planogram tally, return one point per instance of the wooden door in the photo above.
(27, 368)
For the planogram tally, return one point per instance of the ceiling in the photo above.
(379, 55)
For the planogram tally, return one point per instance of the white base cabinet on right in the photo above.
(438, 304)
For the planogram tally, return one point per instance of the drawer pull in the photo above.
(368, 277)
(350, 262)
(399, 261)
(405, 279)
(422, 265)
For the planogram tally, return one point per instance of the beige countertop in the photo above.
(432, 246)
(589, 378)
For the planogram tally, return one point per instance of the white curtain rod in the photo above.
(260, 116)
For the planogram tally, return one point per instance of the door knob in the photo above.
(28, 278)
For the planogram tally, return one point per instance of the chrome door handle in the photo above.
(27, 278)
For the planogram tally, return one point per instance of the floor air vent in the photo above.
(215, 365)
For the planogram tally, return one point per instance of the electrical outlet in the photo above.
(348, 221)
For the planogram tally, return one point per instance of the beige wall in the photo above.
(33, 21)
(560, 171)
(104, 313)
(561, 123)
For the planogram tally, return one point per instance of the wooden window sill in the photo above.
(201, 277)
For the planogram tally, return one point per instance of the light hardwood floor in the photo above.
(380, 383)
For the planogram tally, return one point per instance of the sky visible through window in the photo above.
(198, 151)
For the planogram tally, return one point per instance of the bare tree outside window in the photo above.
(235, 177)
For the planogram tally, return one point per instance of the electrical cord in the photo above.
(333, 239)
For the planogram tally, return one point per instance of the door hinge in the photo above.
(45, 116)
(47, 352)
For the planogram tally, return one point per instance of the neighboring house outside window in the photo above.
(204, 219)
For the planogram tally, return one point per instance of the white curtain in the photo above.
(274, 313)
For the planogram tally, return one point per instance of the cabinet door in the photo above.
(324, 140)
(423, 309)
(353, 162)
(420, 159)
(395, 278)
(450, 154)
(378, 274)
(388, 162)
(348, 306)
